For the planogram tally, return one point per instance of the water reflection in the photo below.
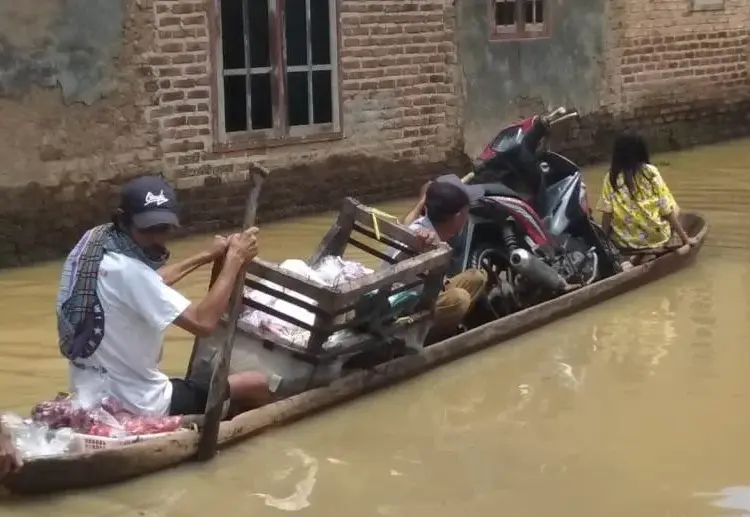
(304, 483)
(732, 498)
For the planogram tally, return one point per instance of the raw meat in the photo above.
(105, 419)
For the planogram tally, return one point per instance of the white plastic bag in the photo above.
(35, 440)
(331, 271)
(335, 270)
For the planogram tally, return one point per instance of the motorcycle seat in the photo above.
(498, 189)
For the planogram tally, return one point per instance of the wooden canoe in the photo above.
(118, 464)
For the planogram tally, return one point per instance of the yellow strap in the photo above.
(375, 213)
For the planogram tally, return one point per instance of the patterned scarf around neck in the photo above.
(80, 318)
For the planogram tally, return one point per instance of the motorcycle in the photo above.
(533, 231)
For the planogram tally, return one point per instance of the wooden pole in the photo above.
(215, 270)
(219, 387)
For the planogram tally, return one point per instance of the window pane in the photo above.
(322, 97)
(505, 12)
(539, 11)
(529, 11)
(534, 11)
(259, 35)
(235, 103)
(295, 30)
(260, 98)
(297, 101)
(232, 39)
(320, 29)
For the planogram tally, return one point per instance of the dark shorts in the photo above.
(188, 397)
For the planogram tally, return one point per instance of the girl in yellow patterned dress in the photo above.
(639, 211)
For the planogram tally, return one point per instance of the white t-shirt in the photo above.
(423, 223)
(420, 223)
(138, 307)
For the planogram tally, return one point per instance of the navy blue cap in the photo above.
(149, 201)
(473, 192)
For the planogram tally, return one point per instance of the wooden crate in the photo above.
(424, 270)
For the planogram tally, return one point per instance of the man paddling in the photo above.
(116, 302)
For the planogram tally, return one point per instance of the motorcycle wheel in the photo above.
(491, 259)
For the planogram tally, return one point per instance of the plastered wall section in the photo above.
(674, 69)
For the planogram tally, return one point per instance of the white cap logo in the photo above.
(158, 199)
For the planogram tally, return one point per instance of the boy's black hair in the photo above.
(443, 201)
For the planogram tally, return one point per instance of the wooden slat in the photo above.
(290, 280)
(273, 312)
(334, 242)
(405, 271)
(372, 251)
(391, 243)
(258, 285)
(364, 215)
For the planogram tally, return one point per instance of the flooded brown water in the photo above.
(640, 406)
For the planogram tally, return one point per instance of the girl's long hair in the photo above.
(629, 156)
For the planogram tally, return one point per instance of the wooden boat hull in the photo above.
(113, 465)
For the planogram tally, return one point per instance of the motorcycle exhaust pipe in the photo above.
(536, 270)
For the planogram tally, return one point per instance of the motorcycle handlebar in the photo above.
(557, 112)
(569, 116)
(558, 115)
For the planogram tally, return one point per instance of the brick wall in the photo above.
(677, 74)
(399, 112)
(680, 76)
(399, 125)
(670, 53)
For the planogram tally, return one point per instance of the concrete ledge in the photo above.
(43, 223)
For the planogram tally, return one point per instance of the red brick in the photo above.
(198, 19)
(196, 70)
(197, 121)
(193, 46)
(169, 21)
(198, 94)
(172, 96)
(185, 83)
(170, 72)
(184, 8)
(175, 122)
(183, 59)
(182, 146)
(172, 46)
